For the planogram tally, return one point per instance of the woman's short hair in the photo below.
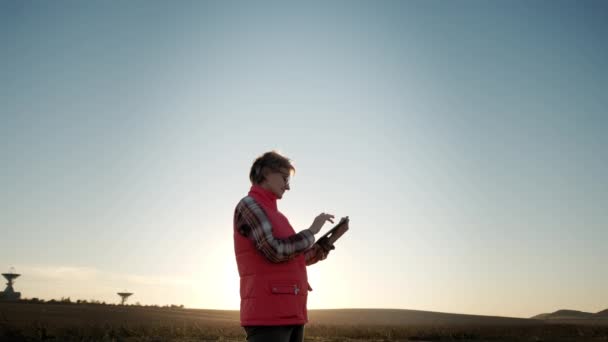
(269, 161)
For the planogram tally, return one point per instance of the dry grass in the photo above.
(56, 322)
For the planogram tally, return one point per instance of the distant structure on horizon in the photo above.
(9, 293)
(124, 296)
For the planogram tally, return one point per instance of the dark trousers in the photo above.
(283, 333)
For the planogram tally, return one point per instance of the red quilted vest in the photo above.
(271, 293)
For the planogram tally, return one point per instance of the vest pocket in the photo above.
(285, 288)
(286, 300)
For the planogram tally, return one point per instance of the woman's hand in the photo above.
(319, 221)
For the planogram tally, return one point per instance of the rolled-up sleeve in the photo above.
(315, 254)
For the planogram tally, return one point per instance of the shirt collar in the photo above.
(267, 197)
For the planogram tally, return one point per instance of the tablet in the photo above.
(335, 229)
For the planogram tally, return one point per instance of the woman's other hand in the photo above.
(319, 221)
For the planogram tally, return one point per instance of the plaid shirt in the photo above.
(252, 222)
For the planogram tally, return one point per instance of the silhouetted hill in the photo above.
(541, 316)
(67, 315)
(603, 313)
(408, 317)
(563, 314)
(400, 317)
(574, 316)
(57, 315)
(569, 314)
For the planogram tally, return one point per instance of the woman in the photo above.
(272, 258)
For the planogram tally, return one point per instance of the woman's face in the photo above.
(277, 182)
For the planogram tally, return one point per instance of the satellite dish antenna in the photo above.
(9, 293)
(124, 296)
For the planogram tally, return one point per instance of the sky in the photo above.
(466, 141)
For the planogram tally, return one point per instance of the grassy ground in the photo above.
(325, 333)
(45, 322)
(104, 332)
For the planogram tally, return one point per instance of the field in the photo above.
(94, 322)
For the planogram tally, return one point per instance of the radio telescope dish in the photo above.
(124, 296)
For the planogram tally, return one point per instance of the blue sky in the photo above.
(466, 141)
